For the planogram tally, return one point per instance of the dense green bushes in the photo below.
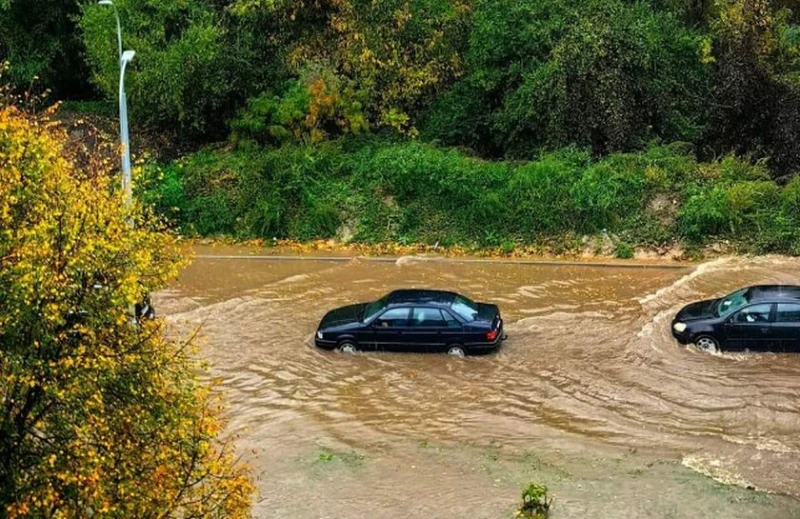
(504, 79)
(375, 191)
(40, 38)
(604, 73)
(334, 111)
(184, 77)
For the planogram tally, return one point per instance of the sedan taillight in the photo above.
(492, 335)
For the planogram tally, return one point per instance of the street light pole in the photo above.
(119, 26)
(127, 191)
(124, 58)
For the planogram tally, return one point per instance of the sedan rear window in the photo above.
(465, 308)
(788, 313)
(451, 321)
(428, 318)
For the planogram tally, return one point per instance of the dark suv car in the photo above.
(763, 318)
(414, 320)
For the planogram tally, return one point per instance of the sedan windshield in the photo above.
(729, 304)
(465, 308)
(372, 309)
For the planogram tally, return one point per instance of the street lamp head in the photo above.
(128, 55)
(105, 2)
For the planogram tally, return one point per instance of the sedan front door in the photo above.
(389, 329)
(751, 328)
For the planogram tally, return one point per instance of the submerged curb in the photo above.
(421, 259)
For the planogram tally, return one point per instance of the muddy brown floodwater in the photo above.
(589, 395)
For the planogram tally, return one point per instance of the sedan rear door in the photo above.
(787, 326)
(425, 331)
(453, 333)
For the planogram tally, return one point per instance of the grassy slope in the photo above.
(372, 192)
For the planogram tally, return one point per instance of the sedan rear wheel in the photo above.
(348, 347)
(707, 343)
(456, 351)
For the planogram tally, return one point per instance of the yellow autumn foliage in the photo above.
(99, 416)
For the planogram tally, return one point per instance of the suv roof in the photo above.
(762, 292)
(441, 297)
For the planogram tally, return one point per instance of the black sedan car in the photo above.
(413, 320)
(758, 318)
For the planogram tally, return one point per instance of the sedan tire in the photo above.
(706, 343)
(348, 347)
(456, 351)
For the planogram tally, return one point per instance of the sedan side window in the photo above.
(393, 318)
(754, 314)
(788, 313)
(428, 318)
(452, 322)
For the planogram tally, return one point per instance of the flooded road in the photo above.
(590, 394)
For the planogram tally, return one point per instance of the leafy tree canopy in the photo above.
(99, 416)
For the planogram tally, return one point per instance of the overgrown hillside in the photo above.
(469, 121)
(375, 191)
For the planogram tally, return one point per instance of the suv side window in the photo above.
(427, 318)
(392, 318)
(753, 314)
(788, 313)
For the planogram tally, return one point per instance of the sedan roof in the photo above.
(762, 292)
(420, 296)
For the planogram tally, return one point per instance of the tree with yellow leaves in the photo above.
(394, 55)
(99, 416)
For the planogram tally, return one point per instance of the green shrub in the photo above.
(312, 107)
(748, 210)
(535, 504)
(538, 194)
(212, 214)
(607, 193)
(163, 189)
(623, 250)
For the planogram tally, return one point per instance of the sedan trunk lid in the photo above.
(487, 312)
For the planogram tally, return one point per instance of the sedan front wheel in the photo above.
(707, 343)
(348, 347)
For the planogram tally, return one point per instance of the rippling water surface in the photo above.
(589, 372)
